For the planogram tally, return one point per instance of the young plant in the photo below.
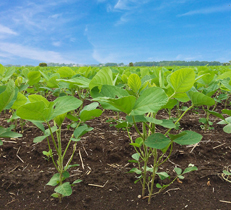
(39, 111)
(7, 93)
(48, 154)
(141, 109)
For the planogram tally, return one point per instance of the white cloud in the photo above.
(55, 16)
(128, 4)
(188, 57)
(56, 44)
(104, 57)
(32, 53)
(6, 30)
(207, 10)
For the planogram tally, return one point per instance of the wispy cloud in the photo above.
(129, 4)
(56, 44)
(6, 30)
(188, 57)
(209, 10)
(32, 53)
(104, 57)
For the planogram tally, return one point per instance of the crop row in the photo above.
(140, 93)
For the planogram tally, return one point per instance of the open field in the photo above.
(153, 122)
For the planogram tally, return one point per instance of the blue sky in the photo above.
(101, 31)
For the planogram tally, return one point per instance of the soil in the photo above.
(103, 155)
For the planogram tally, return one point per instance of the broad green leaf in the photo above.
(151, 100)
(171, 103)
(190, 169)
(39, 125)
(158, 186)
(226, 111)
(178, 170)
(124, 104)
(9, 72)
(7, 95)
(136, 156)
(7, 133)
(2, 69)
(88, 114)
(77, 181)
(66, 72)
(226, 121)
(200, 99)
(203, 120)
(64, 189)
(189, 137)
(215, 114)
(78, 81)
(81, 130)
(52, 82)
(55, 195)
(163, 175)
(157, 141)
(138, 142)
(167, 123)
(33, 77)
(70, 166)
(103, 77)
(9, 105)
(135, 170)
(182, 80)
(182, 97)
(65, 104)
(71, 117)
(134, 82)
(46, 77)
(60, 118)
(21, 100)
(109, 91)
(227, 74)
(25, 72)
(54, 180)
(175, 136)
(34, 111)
(35, 98)
(227, 128)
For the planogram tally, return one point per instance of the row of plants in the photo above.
(140, 93)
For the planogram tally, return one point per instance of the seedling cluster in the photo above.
(139, 93)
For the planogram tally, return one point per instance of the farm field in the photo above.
(162, 124)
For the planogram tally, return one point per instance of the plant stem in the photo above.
(52, 154)
(179, 119)
(52, 136)
(153, 174)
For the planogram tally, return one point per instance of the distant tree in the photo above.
(42, 64)
(131, 64)
(110, 64)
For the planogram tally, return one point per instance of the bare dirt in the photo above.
(106, 185)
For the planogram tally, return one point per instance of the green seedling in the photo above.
(40, 111)
(141, 108)
(206, 124)
(226, 174)
(7, 94)
(47, 155)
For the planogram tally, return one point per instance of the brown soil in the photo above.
(106, 184)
